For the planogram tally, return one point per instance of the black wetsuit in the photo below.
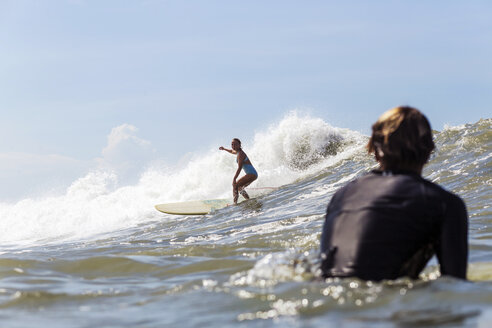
(387, 225)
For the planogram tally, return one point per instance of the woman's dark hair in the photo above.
(401, 139)
(238, 141)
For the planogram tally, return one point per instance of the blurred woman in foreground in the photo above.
(390, 222)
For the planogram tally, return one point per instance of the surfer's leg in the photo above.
(235, 195)
(244, 182)
(244, 193)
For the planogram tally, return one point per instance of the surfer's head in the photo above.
(236, 144)
(401, 139)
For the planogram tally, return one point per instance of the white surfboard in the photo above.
(479, 271)
(198, 207)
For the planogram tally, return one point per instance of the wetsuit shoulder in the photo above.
(381, 226)
(452, 243)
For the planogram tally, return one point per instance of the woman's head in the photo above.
(236, 144)
(401, 139)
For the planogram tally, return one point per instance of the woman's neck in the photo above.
(404, 168)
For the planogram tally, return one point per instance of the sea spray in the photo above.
(100, 253)
(290, 150)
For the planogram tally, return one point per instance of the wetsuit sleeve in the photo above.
(452, 248)
(331, 212)
(326, 232)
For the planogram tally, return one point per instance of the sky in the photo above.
(87, 84)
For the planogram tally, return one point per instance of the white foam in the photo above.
(96, 203)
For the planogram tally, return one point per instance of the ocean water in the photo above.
(100, 255)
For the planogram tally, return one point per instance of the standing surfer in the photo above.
(243, 163)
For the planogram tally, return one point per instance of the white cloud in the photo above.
(122, 142)
(126, 153)
(27, 174)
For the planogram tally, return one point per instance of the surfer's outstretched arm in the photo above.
(232, 151)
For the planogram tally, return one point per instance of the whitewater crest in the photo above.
(299, 142)
(296, 147)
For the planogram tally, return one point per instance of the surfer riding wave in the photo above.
(243, 163)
